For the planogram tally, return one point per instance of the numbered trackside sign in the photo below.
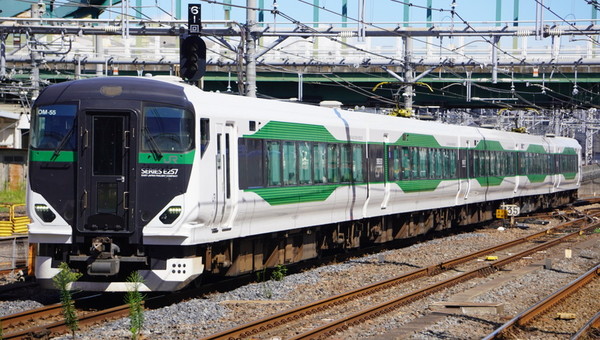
(511, 209)
(194, 22)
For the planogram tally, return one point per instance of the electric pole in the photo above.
(250, 49)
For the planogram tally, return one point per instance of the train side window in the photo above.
(484, 161)
(438, 165)
(319, 153)
(320, 162)
(250, 163)
(405, 162)
(431, 163)
(290, 173)
(333, 167)
(358, 166)
(453, 163)
(475, 163)
(345, 163)
(304, 163)
(394, 163)
(423, 170)
(444, 160)
(204, 135)
(273, 163)
(414, 163)
(493, 164)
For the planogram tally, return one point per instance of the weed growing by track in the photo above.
(61, 282)
(277, 274)
(135, 300)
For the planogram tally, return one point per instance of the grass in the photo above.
(8, 196)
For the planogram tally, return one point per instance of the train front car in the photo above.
(108, 157)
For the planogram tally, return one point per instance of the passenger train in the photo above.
(156, 176)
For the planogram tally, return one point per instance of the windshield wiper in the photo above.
(153, 146)
(62, 143)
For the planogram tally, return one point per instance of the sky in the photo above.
(391, 11)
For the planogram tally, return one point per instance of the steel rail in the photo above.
(261, 325)
(594, 322)
(60, 327)
(386, 307)
(13, 320)
(542, 306)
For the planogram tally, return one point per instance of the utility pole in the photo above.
(250, 49)
(2, 55)
(37, 10)
(408, 75)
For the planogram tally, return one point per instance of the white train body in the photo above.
(269, 182)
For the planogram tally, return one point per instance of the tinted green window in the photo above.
(345, 163)
(289, 164)
(476, 170)
(395, 164)
(405, 163)
(319, 159)
(304, 163)
(273, 163)
(358, 165)
(452, 160)
(423, 163)
(333, 167)
(414, 163)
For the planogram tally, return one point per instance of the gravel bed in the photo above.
(216, 312)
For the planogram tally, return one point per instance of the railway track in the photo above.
(47, 321)
(19, 326)
(545, 316)
(270, 324)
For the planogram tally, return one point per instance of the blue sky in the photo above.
(390, 11)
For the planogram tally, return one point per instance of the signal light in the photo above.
(192, 57)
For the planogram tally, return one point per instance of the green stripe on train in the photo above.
(416, 139)
(419, 185)
(294, 132)
(143, 157)
(290, 195)
(167, 158)
(47, 156)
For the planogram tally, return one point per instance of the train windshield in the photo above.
(167, 129)
(53, 127)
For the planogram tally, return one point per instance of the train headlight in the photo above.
(44, 212)
(170, 214)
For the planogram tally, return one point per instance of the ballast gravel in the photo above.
(216, 312)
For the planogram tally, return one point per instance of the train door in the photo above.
(387, 165)
(224, 168)
(464, 175)
(106, 156)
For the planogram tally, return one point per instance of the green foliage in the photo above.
(10, 196)
(135, 300)
(279, 272)
(62, 280)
